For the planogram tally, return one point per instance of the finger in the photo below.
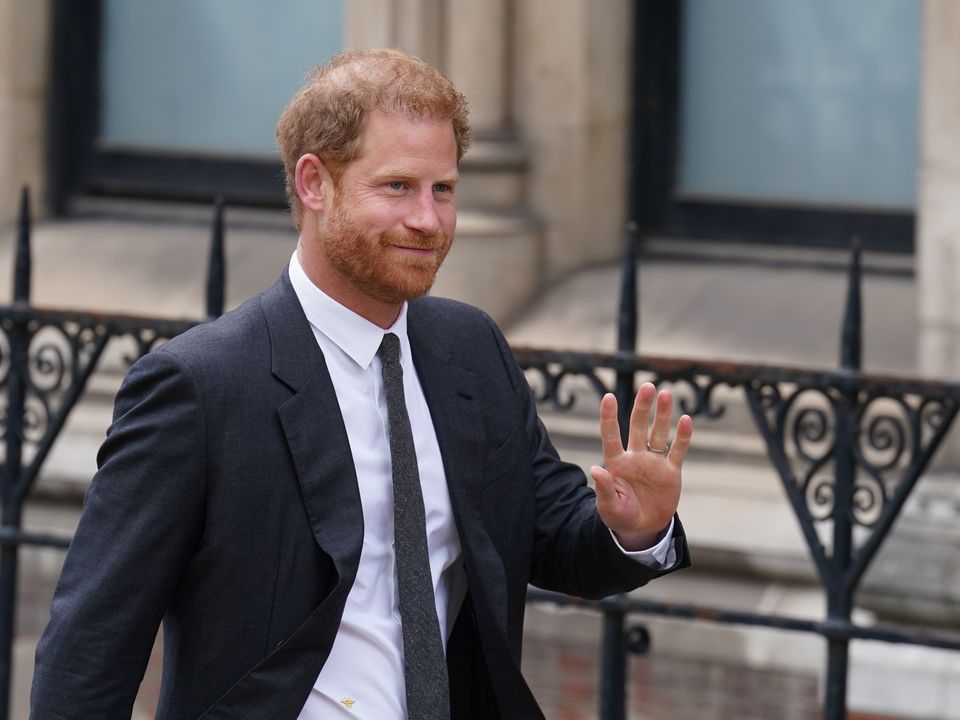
(681, 442)
(640, 417)
(610, 428)
(660, 431)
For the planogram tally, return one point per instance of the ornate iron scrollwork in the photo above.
(57, 354)
(702, 389)
(552, 383)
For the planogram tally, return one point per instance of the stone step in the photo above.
(495, 248)
(493, 175)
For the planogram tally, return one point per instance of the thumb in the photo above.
(603, 481)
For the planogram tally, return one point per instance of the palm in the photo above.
(638, 488)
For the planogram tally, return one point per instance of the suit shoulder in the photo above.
(452, 313)
(466, 333)
(229, 333)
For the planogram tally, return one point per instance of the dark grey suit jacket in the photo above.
(226, 505)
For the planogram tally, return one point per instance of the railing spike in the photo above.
(628, 319)
(216, 271)
(627, 322)
(22, 263)
(851, 350)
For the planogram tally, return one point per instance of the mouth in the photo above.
(415, 250)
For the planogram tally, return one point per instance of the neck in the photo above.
(316, 267)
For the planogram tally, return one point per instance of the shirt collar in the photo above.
(355, 335)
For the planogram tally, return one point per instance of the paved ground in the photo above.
(740, 304)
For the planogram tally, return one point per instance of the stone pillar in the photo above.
(571, 98)
(413, 25)
(467, 39)
(475, 58)
(369, 24)
(24, 49)
(938, 209)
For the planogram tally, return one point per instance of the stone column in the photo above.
(938, 209)
(475, 58)
(467, 39)
(414, 25)
(369, 24)
(24, 44)
(572, 106)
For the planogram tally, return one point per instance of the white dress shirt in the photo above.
(363, 676)
(366, 663)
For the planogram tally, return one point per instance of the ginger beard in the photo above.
(370, 262)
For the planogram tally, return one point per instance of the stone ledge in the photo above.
(495, 155)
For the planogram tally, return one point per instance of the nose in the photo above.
(422, 216)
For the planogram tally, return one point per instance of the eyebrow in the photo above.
(401, 174)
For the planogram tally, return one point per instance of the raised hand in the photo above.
(638, 487)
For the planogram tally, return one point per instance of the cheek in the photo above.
(448, 220)
(372, 215)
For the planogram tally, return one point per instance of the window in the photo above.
(178, 99)
(787, 122)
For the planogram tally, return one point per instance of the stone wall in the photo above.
(553, 98)
(571, 99)
(938, 230)
(24, 45)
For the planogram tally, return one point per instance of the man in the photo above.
(254, 489)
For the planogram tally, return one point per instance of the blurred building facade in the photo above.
(791, 124)
(803, 123)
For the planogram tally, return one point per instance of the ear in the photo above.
(314, 183)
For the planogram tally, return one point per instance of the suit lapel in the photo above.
(315, 433)
(453, 396)
(278, 685)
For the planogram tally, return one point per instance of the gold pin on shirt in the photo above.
(348, 703)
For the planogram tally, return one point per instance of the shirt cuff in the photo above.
(661, 555)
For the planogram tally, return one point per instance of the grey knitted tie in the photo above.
(425, 667)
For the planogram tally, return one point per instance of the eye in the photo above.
(443, 188)
(396, 185)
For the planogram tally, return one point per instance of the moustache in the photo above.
(414, 241)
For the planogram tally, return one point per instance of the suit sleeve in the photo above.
(574, 552)
(142, 518)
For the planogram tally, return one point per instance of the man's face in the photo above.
(393, 215)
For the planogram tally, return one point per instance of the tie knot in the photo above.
(389, 350)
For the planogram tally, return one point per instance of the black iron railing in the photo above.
(849, 448)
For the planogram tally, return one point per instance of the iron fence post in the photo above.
(838, 596)
(216, 271)
(613, 680)
(17, 335)
(613, 667)
(627, 322)
(839, 593)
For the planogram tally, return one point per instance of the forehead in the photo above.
(391, 138)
